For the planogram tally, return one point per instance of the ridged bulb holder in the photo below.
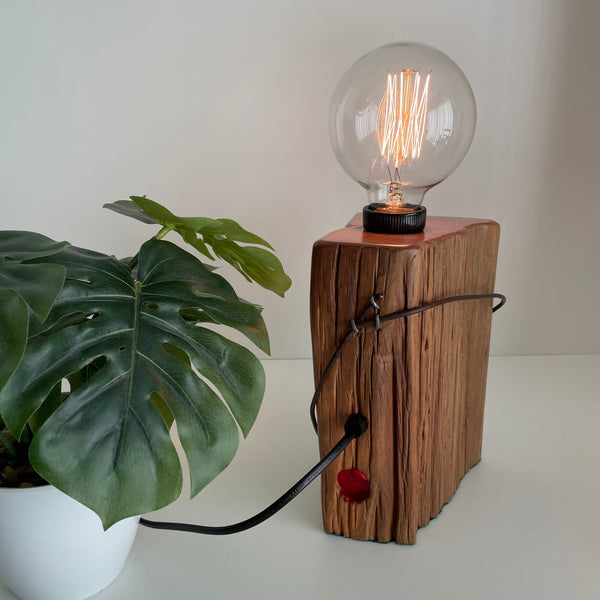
(377, 219)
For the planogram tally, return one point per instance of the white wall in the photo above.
(220, 109)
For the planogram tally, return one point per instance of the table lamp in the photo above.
(401, 120)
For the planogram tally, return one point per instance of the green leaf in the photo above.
(21, 285)
(166, 218)
(79, 377)
(227, 228)
(27, 245)
(243, 316)
(163, 409)
(155, 210)
(50, 404)
(255, 264)
(130, 209)
(108, 444)
(14, 321)
(37, 284)
(191, 237)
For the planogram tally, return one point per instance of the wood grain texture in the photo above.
(420, 381)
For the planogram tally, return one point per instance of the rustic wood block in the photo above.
(420, 381)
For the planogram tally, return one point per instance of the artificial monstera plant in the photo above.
(101, 356)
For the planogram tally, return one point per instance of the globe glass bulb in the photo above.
(401, 120)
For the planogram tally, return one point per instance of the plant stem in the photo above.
(161, 234)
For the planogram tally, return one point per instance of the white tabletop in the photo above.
(524, 522)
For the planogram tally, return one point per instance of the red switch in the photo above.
(353, 485)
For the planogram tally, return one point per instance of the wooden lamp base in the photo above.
(420, 381)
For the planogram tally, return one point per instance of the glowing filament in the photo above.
(401, 115)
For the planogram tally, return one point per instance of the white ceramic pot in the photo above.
(54, 548)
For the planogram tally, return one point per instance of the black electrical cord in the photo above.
(355, 426)
(362, 323)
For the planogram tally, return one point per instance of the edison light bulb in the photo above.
(401, 120)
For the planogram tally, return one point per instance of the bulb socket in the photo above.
(385, 221)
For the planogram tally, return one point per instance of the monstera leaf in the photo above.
(222, 235)
(24, 286)
(146, 342)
